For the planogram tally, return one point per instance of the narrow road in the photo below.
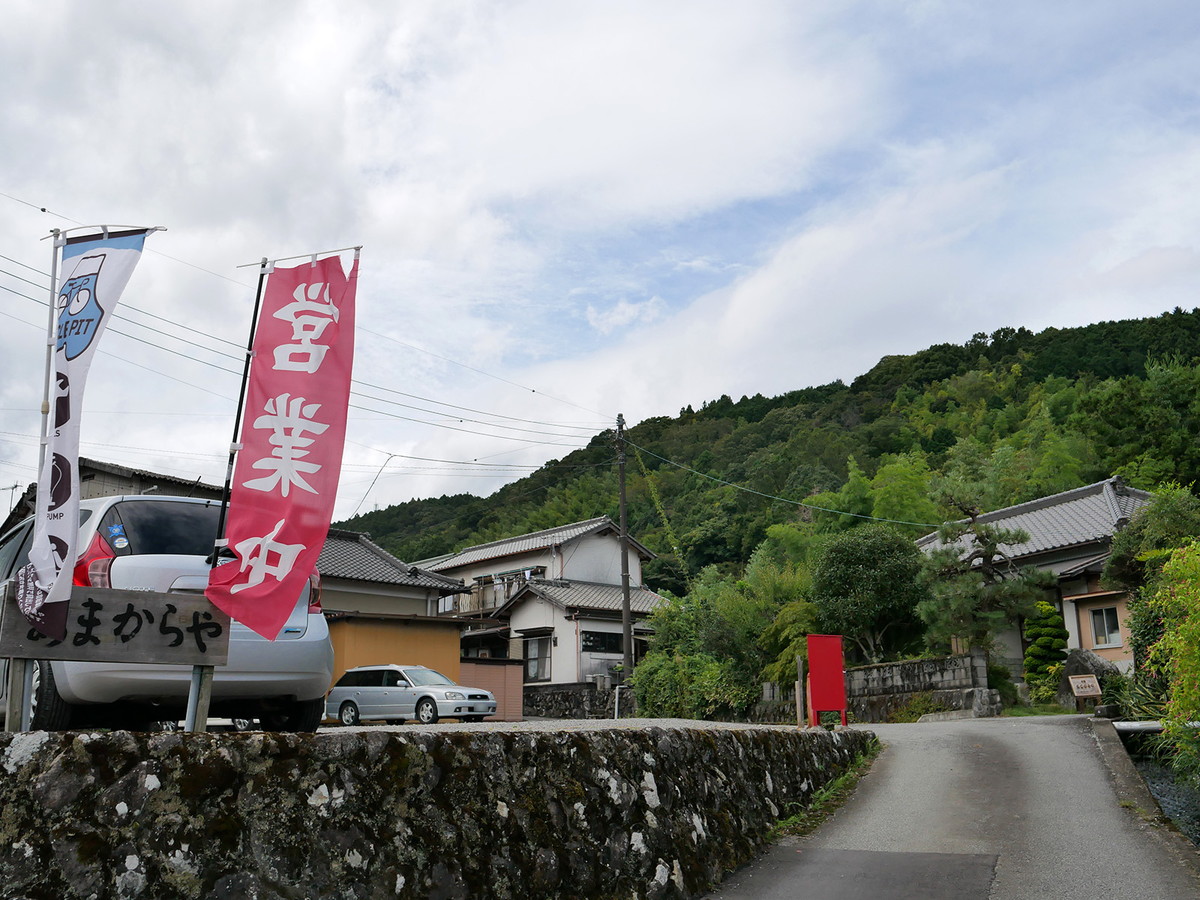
(979, 809)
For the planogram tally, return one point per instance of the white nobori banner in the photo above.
(95, 270)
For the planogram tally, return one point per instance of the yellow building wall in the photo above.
(373, 642)
(1083, 612)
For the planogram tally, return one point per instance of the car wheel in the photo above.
(243, 724)
(348, 713)
(50, 711)
(427, 712)
(303, 715)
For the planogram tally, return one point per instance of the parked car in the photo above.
(397, 693)
(160, 543)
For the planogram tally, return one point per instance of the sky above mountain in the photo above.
(569, 211)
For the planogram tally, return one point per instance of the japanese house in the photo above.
(551, 598)
(1070, 535)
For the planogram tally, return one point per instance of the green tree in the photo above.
(1175, 657)
(1047, 634)
(900, 492)
(706, 656)
(1139, 552)
(975, 588)
(865, 587)
(1140, 549)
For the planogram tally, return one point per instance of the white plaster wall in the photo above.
(537, 613)
(597, 558)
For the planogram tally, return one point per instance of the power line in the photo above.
(388, 337)
(780, 499)
(231, 356)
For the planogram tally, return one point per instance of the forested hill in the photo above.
(1017, 414)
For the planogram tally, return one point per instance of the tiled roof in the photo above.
(1084, 515)
(124, 471)
(587, 595)
(528, 543)
(353, 555)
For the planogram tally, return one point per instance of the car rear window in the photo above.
(155, 527)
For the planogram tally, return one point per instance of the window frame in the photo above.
(1109, 633)
(544, 668)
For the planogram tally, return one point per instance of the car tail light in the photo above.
(93, 567)
(314, 593)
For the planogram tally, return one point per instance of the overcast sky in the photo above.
(572, 210)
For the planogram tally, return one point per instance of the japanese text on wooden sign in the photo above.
(108, 625)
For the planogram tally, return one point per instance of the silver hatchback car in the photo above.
(399, 693)
(159, 543)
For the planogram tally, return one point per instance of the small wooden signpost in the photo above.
(1083, 687)
(123, 626)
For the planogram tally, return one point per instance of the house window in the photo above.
(1106, 632)
(600, 642)
(537, 659)
(446, 603)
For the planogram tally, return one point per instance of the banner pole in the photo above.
(22, 669)
(237, 421)
(56, 251)
(200, 690)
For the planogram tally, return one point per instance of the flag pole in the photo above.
(20, 672)
(200, 689)
(264, 269)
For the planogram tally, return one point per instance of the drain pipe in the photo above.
(617, 701)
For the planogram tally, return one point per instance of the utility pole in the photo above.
(626, 616)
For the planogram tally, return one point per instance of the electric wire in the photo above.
(382, 412)
(747, 490)
(360, 394)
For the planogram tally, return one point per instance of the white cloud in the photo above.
(569, 212)
(623, 314)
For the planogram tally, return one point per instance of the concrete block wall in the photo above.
(648, 812)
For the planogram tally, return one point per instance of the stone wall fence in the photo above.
(647, 810)
(594, 699)
(954, 682)
(874, 692)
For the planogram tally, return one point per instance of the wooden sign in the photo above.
(108, 625)
(1084, 685)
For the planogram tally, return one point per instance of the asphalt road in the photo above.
(1004, 809)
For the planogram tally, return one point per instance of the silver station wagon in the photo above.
(399, 693)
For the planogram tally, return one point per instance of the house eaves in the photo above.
(530, 543)
(352, 555)
(584, 596)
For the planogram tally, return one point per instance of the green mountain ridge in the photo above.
(1018, 413)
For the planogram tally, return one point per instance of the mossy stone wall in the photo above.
(652, 812)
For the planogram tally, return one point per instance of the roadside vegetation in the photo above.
(826, 800)
(1157, 558)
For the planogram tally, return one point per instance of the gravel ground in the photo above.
(1180, 802)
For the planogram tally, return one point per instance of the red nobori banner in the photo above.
(293, 431)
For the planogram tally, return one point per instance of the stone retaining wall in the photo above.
(583, 700)
(649, 812)
(954, 682)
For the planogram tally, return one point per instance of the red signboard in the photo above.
(293, 431)
(826, 676)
